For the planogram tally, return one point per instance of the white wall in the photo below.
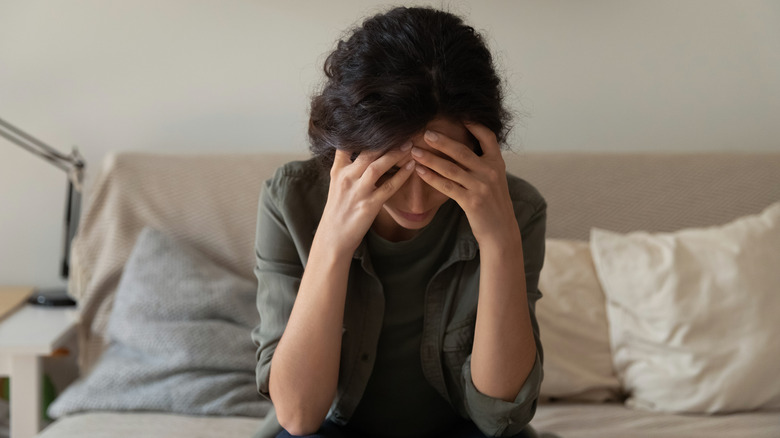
(231, 75)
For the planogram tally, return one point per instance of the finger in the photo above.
(446, 186)
(444, 167)
(379, 167)
(388, 187)
(457, 151)
(363, 161)
(341, 159)
(365, 158)
(487, 138)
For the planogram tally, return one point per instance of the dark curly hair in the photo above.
(397, 72)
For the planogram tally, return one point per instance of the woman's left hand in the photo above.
(477, 183)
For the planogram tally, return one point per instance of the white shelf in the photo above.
(36, 330)
(27, 335)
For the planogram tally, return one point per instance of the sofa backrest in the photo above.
(210, 201)
(648, 191)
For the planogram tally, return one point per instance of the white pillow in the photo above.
(693, 315)
(573, 325)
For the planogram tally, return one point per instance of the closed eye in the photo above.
(387, 175)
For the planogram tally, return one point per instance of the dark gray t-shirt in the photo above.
(398, 401)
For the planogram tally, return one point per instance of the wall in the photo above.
(230, 75)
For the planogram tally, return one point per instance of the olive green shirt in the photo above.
(290, 206)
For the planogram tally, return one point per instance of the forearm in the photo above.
(305, 365)
(504, 349)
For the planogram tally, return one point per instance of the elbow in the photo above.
(299, 417)
(300, 411)
(298, 425)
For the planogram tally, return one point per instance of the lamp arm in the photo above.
(73, 164)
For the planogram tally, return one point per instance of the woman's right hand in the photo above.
(357, 191)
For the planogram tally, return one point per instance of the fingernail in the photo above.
(417, 152)
(432, 136)
(410, 165)
(406, 146)
(420, 169)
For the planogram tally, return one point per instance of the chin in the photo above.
(413, 225)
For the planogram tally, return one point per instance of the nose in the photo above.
(415, 194)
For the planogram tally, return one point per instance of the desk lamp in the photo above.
(74, 165)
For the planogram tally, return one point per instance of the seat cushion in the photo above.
(614, 420)
(596, 420)
(148, 425)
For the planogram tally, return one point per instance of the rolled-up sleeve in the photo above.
(278, 269)
(496, 417)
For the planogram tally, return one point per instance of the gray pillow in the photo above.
(179, 339)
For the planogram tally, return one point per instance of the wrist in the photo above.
(501, 245)
(328, 245)
(500, 238)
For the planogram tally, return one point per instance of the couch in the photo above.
(636, 342)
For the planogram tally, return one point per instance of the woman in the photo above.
(398, 269)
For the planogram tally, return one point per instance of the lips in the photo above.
(415, 217)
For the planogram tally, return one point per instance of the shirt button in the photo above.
(364, 357)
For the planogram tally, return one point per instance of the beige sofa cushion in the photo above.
(572, 319)
(693, 314)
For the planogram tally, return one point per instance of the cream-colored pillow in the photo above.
(573, 325)
(694, 315)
